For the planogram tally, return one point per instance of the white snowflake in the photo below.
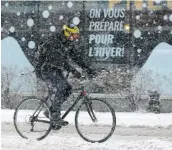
(30, 22)
(170, 17)
(45, 14)
(50, 7)
(138, 55)
(61, 17)
(21, 25)
(171, 31)
(147, 24)
(18, 13)
(137, 33)
(31, 44)
(151, 11)
(139, 50)
(70, 4)
(32, 11)
(52, 28)
(6, 4)
(137, 17)
(76, 20)
(12, 29)
(159, 27)
(165, 17)
(31, 35)
(148, 32)
(63, 3)
(144, 5)
(23, 39)
(43, 35)
(6, 21)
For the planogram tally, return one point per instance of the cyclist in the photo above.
(53, 59)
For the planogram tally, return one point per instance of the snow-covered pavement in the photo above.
(137, 119)
(134, 131)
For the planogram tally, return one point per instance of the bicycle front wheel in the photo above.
(95, 120)
(29, 120)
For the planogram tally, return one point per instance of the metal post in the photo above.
(131, 34)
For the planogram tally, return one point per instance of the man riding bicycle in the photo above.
(53, 59)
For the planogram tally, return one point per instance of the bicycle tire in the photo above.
(16, 112)
(112, 128)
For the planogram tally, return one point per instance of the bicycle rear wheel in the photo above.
(95, 120)
(26, 117)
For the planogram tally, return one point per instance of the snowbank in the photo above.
(122, 118)
(157, 71)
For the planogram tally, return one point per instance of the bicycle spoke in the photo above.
(95, 121)
(30, 121)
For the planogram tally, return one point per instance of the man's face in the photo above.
(73, 36)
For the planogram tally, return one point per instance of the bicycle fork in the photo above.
(88, 104)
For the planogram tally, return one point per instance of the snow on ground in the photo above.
(59, 143)
(128, 134)
(136, 119)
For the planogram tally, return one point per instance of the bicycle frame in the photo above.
(80, 96)
(83, 95)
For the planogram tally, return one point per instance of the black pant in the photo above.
(59, 87)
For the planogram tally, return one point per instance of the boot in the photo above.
(58, 120)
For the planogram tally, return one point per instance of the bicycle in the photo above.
(89, 110)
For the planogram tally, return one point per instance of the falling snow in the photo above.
(170, 17)
(12, 29)
(165, 17)
(137, 33)
(139, 50)
(76, 20)
(45, 14)
(23, 39)
(30, 22)
(18, 13)
(159, 28)
(61, 17)
(137, 17)
(6, 4)
(31, 44)
(144, 5)
(70, 4)
(52, 28)
(50, 7)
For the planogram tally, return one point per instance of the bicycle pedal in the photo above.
(56, 127)
(59, 123)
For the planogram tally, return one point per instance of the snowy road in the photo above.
(124, 138)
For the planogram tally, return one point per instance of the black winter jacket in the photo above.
(55, 53)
